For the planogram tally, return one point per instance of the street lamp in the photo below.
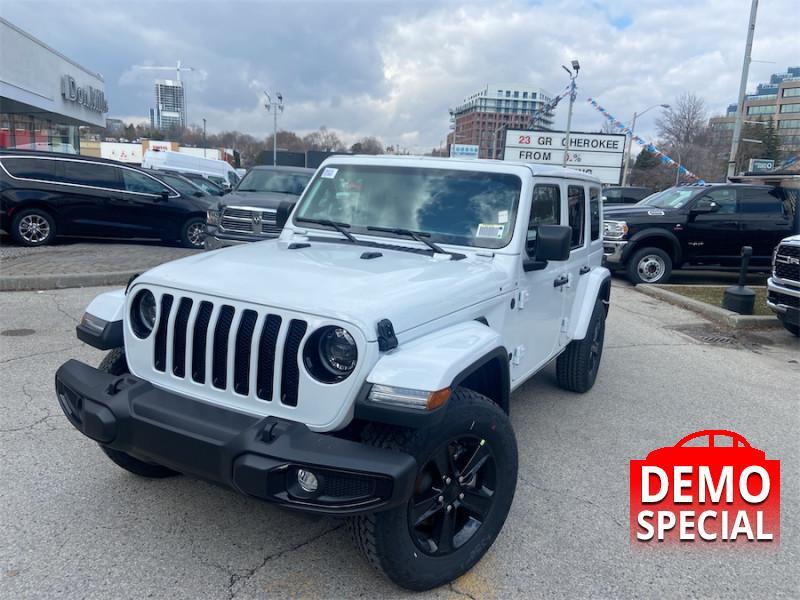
(274, 106)
(630, 144)
(204, 137)
(573, 93)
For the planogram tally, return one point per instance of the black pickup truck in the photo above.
(696, 225)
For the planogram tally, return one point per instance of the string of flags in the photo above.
(645, 144)
(551, 104)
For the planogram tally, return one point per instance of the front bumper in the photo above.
(257, 456)
(613, 251)
(784, 300)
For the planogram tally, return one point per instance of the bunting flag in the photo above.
(646, 145)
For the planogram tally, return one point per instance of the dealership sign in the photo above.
(598, 154)
(91, 98)
(463, 151)
(759, 165)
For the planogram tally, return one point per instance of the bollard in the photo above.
(740, 298)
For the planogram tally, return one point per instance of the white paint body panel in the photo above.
(109, 306)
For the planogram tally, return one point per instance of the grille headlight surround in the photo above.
(615, 230)
(144, 313)
(330, 354)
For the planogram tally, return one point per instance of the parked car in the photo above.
(696, 225)
(617, 194)
(249, 213)
(205, 184)
(218, 171)
(44, 194)
(361, 365)
(783, 288)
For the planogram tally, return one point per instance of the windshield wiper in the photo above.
(340, 227)
(420, 237)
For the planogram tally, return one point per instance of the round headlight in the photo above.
(143, 313)
(330, 354)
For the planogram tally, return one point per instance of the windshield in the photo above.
(184, 187)
(259, 180)
(672, 197)
(205, 185)
(455, 207)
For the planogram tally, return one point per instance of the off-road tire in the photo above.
(39, 216)
(792, 328)
(187, 238)
(577, 366)
(384, 538)
(115, 363)
(657, 254)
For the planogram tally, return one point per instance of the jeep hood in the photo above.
(331, 279)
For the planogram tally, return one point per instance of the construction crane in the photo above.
(177, 69)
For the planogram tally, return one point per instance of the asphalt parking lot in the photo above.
(76, 526)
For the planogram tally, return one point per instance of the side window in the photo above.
(31, 168)
(724, 198)
(92, 174)
(594, 212)
(141, 183)
(760, 201)
(576, 202)
(545, 210)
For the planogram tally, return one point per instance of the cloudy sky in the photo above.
(392, 68)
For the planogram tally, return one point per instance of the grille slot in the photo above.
(266, 356)
(160, 354)
(219, 372)
(290, 376)
(199, 342)
(244, 339)
(179, 338)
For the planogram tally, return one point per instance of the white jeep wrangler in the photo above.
(362, 363)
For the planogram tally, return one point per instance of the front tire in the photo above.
(577, 366)
(33, 227)
(115, 363)
(462, 495)
(193, 234)
(649, 265)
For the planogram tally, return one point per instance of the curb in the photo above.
(719, 315)
(67, 280)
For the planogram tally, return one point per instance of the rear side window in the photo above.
(576, 201)
(141, 183)
(594, 212)
(760, 201)
(31, 168)
(91, 174)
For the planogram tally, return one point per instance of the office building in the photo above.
(778, 99)
(170, 108)
(44, 96)
(483, 117)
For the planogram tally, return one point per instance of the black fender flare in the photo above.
(639, 238)
(502, 393)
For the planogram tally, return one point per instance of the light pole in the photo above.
(204, 137)
(737, 127)
(573, 93)
(494, 140)
(678, 169)
(630, 143)
(270, 105)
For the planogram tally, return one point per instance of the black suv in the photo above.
(618, 194)
(44, 194)
(249, 212)
(695, 225)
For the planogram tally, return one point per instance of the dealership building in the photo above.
(44, 96)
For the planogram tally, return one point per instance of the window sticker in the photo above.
(502, 216)
(490, 230)
(329, 173)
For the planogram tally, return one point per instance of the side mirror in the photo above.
(163, 196)
(552, 243)
(282, 216)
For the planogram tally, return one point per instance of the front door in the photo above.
(714, 236)
(536, 319)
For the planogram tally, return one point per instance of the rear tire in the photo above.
(33, 227)
(577, 366)
(649, 265)
(193, 234)
(424, 544)
(115, 363)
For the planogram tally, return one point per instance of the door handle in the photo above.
(563, 280)
(585, 269)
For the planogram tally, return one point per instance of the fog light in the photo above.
(307, 480)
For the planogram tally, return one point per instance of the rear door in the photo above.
(577, 217)
(148, 208)
(764, 220)
(88, 193)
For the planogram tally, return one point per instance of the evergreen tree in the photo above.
(771, 147)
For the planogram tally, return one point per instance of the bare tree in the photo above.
(685, 122)
(324, 140)
(287, 140)
(367, 145)
(607, 127)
